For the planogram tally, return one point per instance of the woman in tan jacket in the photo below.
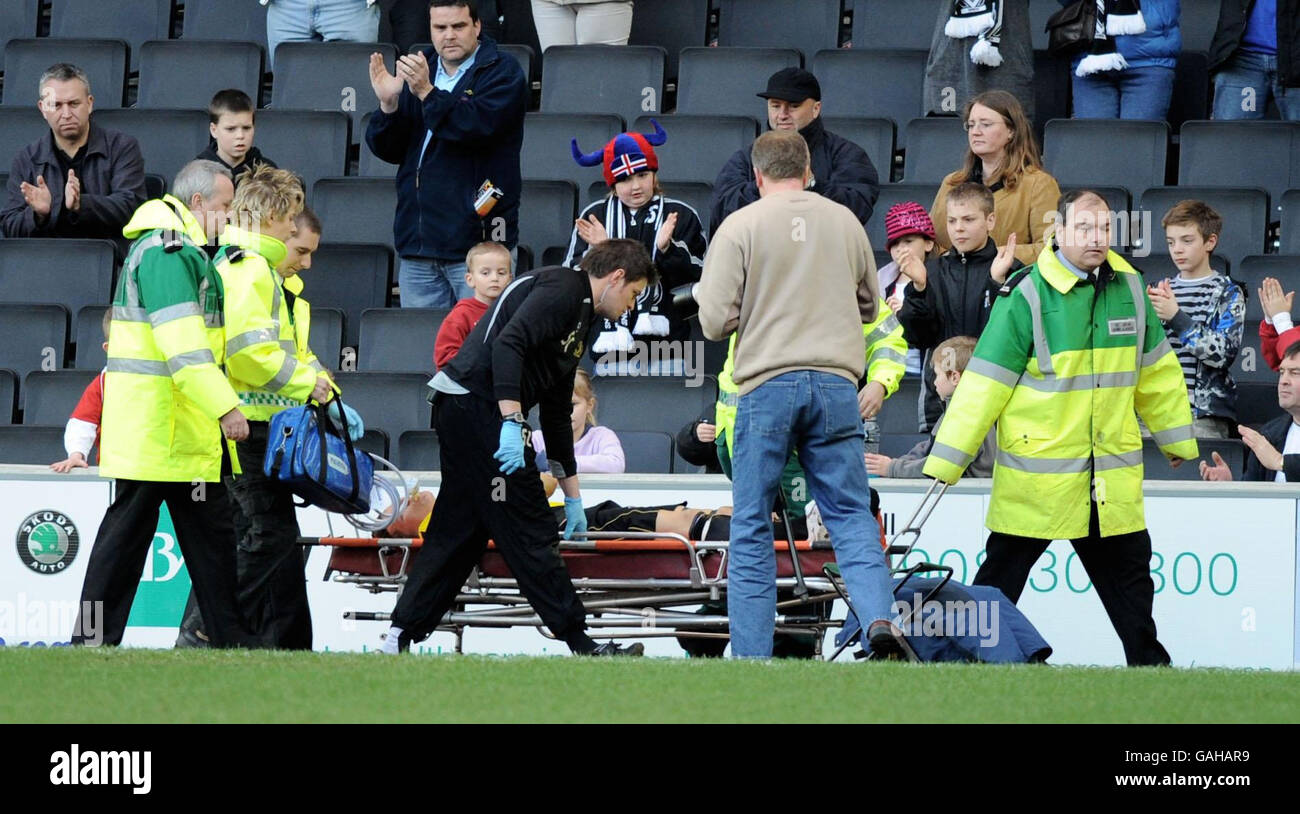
(1003, 155)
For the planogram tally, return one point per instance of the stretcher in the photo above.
(632, 584)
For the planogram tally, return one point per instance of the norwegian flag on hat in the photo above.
(626, 154)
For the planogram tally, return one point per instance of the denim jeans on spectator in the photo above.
(427, 283)
(300, 20)
(817, 414)
(1257, 72)
(1134, 93)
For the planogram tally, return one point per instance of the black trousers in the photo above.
(272, 589)
(201, 516)
(477, 502)
(1120, 570)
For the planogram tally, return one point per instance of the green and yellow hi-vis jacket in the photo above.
(1064, 370)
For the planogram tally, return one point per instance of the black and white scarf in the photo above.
(982, 19)
(1114, 17)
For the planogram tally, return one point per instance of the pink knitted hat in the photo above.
(908, 218)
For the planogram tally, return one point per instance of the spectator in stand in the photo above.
(1204, 315)
(488, 275)
(637, 208)
(453, 127)
(841, 170)
(596, 448)
(1136, 80)
(582, 22)
(82, 433)
(908, 229)
(316, 20)
(1264, 461)
(1277, 331)
(1003, 156)
(405, 23)
(230, 125)
(953, 294)
(979, 46)
(79, 181)
(1255, 57)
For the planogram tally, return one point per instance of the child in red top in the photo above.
(488, 275)
(1277, 332)
(82, 432)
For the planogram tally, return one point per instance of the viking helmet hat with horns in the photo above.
(626, 154)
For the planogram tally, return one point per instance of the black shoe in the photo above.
(886, 641)
(613, 649)
(191, 638)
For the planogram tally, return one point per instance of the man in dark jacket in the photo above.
(1272, 452)
(453, 123)
(1255, 55)
(842, 171)
(79, 181)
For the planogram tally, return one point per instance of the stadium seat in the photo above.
(155, 186)
(351, 277)
(327, 335)
(723, 81)
(1249, 365)
(1264, 154)
(1052, 88)
(901, 413)
(33, 446)
(876, 136)
(769, 23)
(1039, 12)
(546, 213)
(371, 165)
(169, 139)
(880, 84)
(8, 396)
(1159, 265)
(20, 22)
(19, 126)
(935, 147)
(419, 452)
(375, 442)
(523, 54)
(313, 144)
(104, 62)
(697, 196)
(243, 20)
(1191, 96)
(392, 402)
(891, 194)
(896, 445)
(36, 338)
(356, 210)
(652, 403)
(1291, 222)
(674, 25)
(1244, 211)
(186, 73)
(132, 20)
(397, 339)
(1257, 403)
(698, 146)
(627, 80)
(1134, 152)
(88, 335)
(1119, 198)
(328, 76)
(50, 396)
(4, 180)
(547, 155)
(75, 273)
(891, 24)
(644, 452)
(1197, 21)
(1156, 466)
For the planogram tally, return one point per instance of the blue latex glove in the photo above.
(575, 519)
(355, 426)
(510, 450)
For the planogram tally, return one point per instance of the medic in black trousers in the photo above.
(523, 352)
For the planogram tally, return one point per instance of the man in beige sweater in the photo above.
(792, 275)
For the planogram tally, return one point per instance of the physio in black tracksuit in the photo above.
(522, 353)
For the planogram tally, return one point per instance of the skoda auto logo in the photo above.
(47, 542)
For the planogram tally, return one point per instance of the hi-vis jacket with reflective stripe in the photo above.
(1061, 368)
(268, 360)
(164, 390)
(886, 363)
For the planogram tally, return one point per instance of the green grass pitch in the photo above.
(160, 686)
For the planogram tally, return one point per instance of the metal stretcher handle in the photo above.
(929, 501)
(697, 563)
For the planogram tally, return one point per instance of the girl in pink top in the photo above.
(596, 448)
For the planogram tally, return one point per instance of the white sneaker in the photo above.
(391, 640)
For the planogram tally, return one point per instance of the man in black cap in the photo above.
(841, 169)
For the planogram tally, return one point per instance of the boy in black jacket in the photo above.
(524, 352)
(953, 294)
(230, 124)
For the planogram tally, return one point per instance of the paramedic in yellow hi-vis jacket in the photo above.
(1072, 355)
(166, 407)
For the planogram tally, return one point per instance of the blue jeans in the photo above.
(1243, 85)
(303, 20)
(1135, 93)
(816, 413)
(427, 283)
